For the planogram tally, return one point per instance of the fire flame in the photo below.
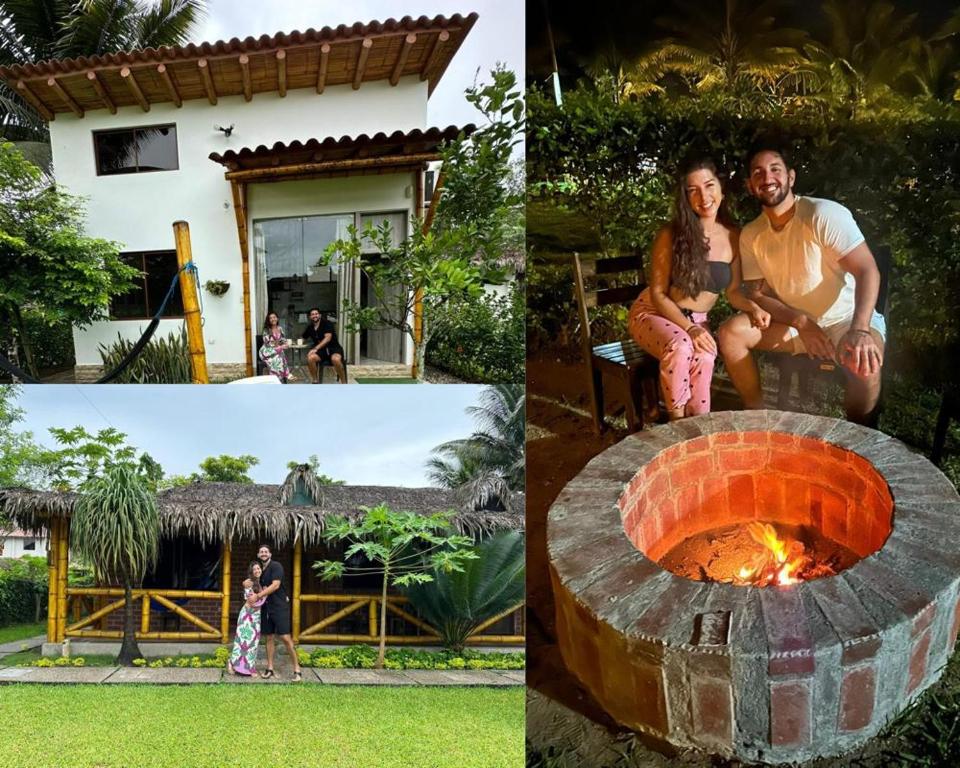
(779, 563)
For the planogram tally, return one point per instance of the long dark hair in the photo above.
(255, 580)
(267, 328)
(688, 269)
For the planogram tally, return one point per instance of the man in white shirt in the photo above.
(805, 261)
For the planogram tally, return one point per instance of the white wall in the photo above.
(138, 210)
(13, 547)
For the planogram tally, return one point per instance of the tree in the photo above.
(731, 45)
(226, 469)
(488, 465)
(314, 463)
(116, 527)
(457, 603)
(477, 229)
(37, 30)
(404, 547)
(85, 456)
(22, 461)
(48, 267)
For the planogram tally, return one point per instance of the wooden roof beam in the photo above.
(282, 73)
(65, 97)
(324, 63)
(365, 47)
(408, 43)
(101, 92)
(434, 54)
(204, 67)
(34, 101)
(127, 74)
(245, 70)
(171, 87)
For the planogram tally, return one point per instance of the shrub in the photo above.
(19, 590)
(481, 339)
(162, 361)
(52, 345)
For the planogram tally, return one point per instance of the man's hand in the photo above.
(252, 600)
(702, 340)
(860, 353)
(815, 341)
(759, 317)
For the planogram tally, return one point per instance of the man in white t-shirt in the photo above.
(805, 261)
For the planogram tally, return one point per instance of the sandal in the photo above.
(267, 674)
(298, 677)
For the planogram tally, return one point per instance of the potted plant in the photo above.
(217, 287)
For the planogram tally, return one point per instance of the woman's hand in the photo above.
(759, 317)
(702, 340)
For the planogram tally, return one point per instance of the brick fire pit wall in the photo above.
(773, 673)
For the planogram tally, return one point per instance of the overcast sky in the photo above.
(364, 435)
(498, 35)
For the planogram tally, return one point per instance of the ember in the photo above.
(758, 554)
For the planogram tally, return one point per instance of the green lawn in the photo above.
(307, 725)
(22, 631)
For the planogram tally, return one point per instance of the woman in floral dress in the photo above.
(272, 352)
(243, 659)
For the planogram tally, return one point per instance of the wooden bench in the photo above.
(622, 361)
(804, 368)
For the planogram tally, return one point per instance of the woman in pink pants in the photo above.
(695, 257)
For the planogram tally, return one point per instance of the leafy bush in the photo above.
(18, 592)
(481, 339)
(52, 345)
(364, 656)
(162, 361)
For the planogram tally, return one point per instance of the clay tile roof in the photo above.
(354, 54)
(399, 145)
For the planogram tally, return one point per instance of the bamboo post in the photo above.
(191, 308)
(239, 191)
(145, 615)
(297, 575)
(62, 567)
(52, 550)
(372, 622)
(225, 589)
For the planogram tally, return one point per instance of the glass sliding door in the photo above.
(289, 280)
(383, 343)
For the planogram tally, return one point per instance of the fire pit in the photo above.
(773, 586)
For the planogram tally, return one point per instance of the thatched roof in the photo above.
(214, 512)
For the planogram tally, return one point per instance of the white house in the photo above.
(18, 543)
(268, 148)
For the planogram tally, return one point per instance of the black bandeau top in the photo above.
(718, 276)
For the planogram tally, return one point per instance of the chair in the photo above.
(623, 361)
(803, 367)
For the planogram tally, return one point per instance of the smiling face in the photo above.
(770, 180)
(256, 571)
(273, 320)
(702, 188)
(263, 555)
(314, 316)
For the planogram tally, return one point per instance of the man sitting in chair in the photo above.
(321, 336)
(805, 261)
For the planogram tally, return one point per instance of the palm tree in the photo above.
(37, 30)
(489, 465)
(730, 45)
(456, 603)
(116, 528)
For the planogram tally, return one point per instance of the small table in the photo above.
(297, 349)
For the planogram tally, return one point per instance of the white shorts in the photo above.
(878, 327)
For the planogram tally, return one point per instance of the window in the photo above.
(29, 545)
(136, 150)
(158, 269)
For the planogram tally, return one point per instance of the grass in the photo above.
(28, 657)
(22, 632)
(309, 725)
(373, 380)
